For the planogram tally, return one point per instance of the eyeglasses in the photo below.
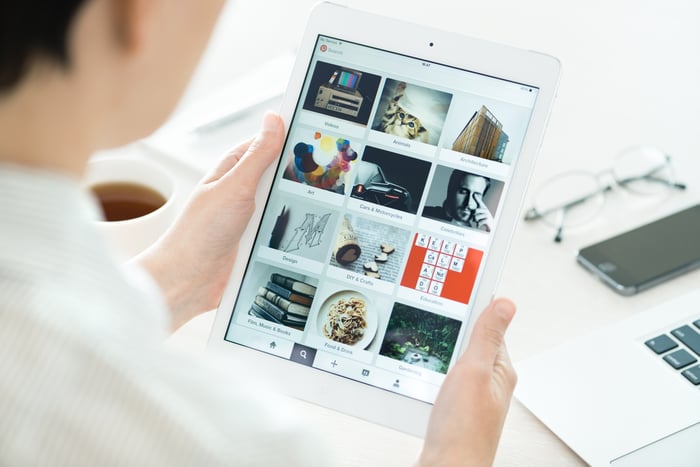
(574, 198)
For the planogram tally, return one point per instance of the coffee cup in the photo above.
(136, 197)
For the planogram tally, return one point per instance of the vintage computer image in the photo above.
(342, 92)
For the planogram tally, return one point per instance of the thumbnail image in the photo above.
(420, 338)
(276, 295)
(320, 160)
(486, 128)
(463, 198)
(370, 248)
(348, 316)
(412, 112)
(390, 179)
(342, 92)
(442, 267)
(300, 227)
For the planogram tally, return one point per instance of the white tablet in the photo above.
(381, 232)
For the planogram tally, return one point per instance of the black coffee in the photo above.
(122, 201)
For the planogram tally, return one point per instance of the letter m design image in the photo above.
(309, 233)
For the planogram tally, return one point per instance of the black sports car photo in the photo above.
(372, 185)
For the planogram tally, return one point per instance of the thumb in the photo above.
(489, 331)
(263, 150)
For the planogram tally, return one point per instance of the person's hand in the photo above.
(193, 260)
(467, 418)
(483, 219)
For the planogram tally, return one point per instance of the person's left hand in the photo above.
(467, 418)
(192, 262)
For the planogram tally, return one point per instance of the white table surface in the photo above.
(631, 74)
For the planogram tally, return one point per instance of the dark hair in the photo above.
(31, 30)
(456, 179)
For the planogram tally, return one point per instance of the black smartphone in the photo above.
(647, 255)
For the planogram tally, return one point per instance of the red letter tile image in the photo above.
(442, 268)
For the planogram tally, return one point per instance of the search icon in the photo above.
(303, 354)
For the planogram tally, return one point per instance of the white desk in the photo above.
(631, 74)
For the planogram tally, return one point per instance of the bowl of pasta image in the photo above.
(347, 317)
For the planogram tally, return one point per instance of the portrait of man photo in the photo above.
(470, 200)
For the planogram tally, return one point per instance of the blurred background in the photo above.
(627, 64)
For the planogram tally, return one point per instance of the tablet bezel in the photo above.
(505, 62)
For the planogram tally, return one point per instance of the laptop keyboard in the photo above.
(680, 349)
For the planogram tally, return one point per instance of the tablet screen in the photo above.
(380, 217)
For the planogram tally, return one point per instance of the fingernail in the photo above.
(269, 122)
(505, 309)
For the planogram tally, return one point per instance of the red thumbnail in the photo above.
(442, 267)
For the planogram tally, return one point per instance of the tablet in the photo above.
(381, 232)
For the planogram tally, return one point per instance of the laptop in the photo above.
(627, 395)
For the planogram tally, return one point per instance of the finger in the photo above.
(484, 215)
(480, 215)
(503, 362)
(489, 331)
(264, 149)
(228, 162)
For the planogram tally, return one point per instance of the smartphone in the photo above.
(647, 255)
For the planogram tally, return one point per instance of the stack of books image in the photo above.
(284, 300)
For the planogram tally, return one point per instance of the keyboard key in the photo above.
(697, 323)
(679, 359)
(661, 344)
(693, 374)
(689, 337)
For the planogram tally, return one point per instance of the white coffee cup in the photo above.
(132, 236)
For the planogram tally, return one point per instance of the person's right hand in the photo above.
(467, 419)
(193, 261)
(482, 216)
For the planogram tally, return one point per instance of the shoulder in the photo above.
(130, 402)
(435, 212)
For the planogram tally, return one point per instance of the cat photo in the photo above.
(397, 121)
(412, 112)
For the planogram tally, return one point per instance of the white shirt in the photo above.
(84, 380)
